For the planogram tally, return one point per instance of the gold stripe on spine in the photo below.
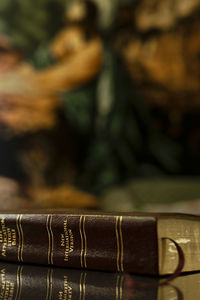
(22, 238)
(81, 235)
(19, 240)
(52, 239)
(121, 245)
(49, 236)
(117, 239)
(85, 240)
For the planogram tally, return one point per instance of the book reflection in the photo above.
(22, 282)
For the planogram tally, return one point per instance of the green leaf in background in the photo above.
(31, 23)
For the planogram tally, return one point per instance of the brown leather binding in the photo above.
(81, 240)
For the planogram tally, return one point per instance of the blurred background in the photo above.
(100, 104)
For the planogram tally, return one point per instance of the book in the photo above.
(24, 282)
(155, 244)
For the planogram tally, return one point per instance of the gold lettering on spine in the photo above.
(117, 239)
(51, 239)
(67, 241)
(20, 242)
(49, 284)
(122, 244)
(19, 282)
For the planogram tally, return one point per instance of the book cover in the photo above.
(139, 243)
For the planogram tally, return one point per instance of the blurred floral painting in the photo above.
(99, 97)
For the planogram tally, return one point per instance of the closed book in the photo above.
(152, 244)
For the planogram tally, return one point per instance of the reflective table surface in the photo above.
(22, 281)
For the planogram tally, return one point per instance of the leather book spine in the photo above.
(98, 242)
(24, 282)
